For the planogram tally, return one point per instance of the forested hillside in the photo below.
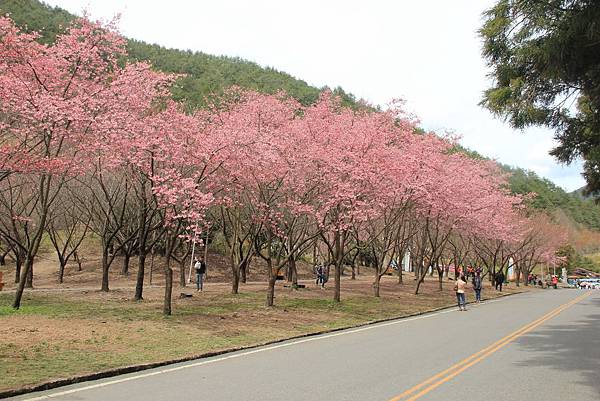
(208, 74)
(205, 74)
(579, 208)
(551, 197)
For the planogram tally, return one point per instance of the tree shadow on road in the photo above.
(573, 347)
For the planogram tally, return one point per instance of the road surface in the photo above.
(543, 345)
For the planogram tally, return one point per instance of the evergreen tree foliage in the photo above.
(545, 60)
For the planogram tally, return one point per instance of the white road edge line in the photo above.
(245, 353)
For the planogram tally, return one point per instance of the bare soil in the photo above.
(46, 271)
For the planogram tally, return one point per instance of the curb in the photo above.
(136, 368)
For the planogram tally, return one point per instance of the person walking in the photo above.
(319, 272)
(499, 280)
(459, 288)
(470, 272)
(477, 284)
(200, 268)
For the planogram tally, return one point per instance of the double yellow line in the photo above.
(454, 370)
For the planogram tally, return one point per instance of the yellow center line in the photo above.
(459, 367)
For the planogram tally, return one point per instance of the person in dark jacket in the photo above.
(319, 273)
(200, 267)
(477, 285)
(499, 280)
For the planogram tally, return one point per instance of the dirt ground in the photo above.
(46, 271)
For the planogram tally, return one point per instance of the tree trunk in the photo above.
(182, 272)
(142, 243)
(105, 267)
(420, 273)
(353, 277)
(19, 265)
(339, 256)
(288, 272)
(22, 279)
(440, 279)
(168, 288)
(415, 268)
(271, 290)
(61, 269)
(338, 274)
(376, 285)
(151, 266)
(168, 275)
(76, 256)
(139, 282)
(293, 270)
(243, 272)
(29, 281)
(235, 260)
(126, 259)
(419, 282)
(235, 279)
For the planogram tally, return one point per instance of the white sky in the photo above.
(426, 52)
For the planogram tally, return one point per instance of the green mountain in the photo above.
(583, 194)
(207, 74)
(550, 197)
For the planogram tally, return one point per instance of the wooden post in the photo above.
(206, 254)
(189, 280)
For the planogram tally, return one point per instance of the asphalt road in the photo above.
(535, 346)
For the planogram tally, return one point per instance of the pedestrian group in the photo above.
(322, 274)
(461, 284)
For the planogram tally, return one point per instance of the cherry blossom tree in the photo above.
(278, 177)
(540, 242)
(59, 102)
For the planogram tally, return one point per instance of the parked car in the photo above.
(589, 283)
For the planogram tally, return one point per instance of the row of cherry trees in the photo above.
(92, 144)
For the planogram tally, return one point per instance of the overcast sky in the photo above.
(426, 52)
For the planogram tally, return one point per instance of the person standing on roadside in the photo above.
(477, 284)
(459, 288)
(499, 280)
(200, 268)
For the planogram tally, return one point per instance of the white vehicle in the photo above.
(589, 283)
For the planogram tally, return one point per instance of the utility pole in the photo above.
(192, 258)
